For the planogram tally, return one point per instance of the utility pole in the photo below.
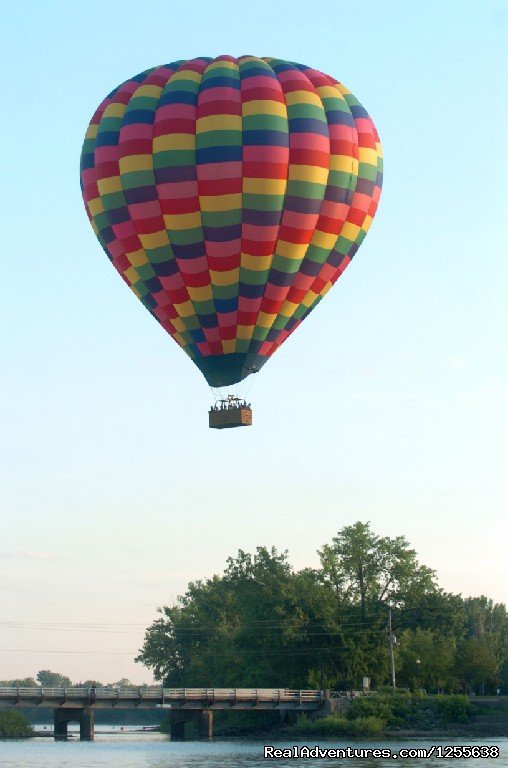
(392, 643)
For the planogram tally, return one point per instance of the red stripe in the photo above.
(293, 235)
(220, 107)
(175, 125)
(220, 187)
(262, 94)
(184, 205)
(261, 170)
(310, 157)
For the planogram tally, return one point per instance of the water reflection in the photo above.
(130, 749)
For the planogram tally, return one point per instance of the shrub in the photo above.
(14, 725)
(337, 725)
(453, 709)
(367, 726)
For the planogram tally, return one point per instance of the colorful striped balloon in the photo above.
(230, 195)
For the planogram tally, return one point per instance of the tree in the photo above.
(368, 570)
(425, 659)
(479, 663)
(50, 679)
(260, 623)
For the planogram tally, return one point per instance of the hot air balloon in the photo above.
(230, 195)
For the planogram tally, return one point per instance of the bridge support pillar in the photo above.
(85, 718)
(205, 724)
(202, 717)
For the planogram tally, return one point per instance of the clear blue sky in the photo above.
(388, 404)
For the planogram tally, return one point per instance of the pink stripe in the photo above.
(124, 230)
(193, 266)
(259, 233)
(226, 319)
(248, 305)
(177, 190)
(137, 131)
(259, 154)
(214, 171)
(229, 248)
(218, 94)
(309, 141)
(170, 111)
(145, 210)
(105, 154)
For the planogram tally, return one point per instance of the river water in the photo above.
(129, 749)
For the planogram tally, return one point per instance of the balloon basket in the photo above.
(230, 413)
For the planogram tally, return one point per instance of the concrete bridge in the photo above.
(184, 704)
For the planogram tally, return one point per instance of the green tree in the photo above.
(50, 679)
(371, 571)
(425, 659)
(479, 663)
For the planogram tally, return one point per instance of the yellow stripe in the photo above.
(324, 240)
(229, 277)
(219, 123)
(367, 155)
(109, 185)
(303, 97)
(137, 258)
(342, 89)
(329, 92)
(264, 186)
(228, 345)
(136, 163)
(95, 206)
(344, 163)
(178, 324)
(309, 298)
(366, 224)
(293, 251)
(256, 263)
(178, 339)
(264, 107)
(154, 239)
(186, 74)
(174, 141)
(131, 275)
(265, 320)
(221, 202)
(200, 294)
(221, 65)
(244, 332)
(288, 309)
(185, 310)
(115, 110)
(182, 220)
(350, 231)
(312, 173)
(153, 91)
(91, 131)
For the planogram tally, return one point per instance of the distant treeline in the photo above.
(263, 624)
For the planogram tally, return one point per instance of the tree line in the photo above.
(263, 624)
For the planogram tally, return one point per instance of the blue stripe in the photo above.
(106, 139)
(265, 139)
(218, 154)
(133, 116)
(220, 82)
(226, 305)
(308, 125)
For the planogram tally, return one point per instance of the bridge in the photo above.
(78, 704)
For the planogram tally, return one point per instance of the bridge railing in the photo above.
(166, 694)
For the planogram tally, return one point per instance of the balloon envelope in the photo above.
(230, 195)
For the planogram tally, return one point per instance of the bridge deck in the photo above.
(174, 698)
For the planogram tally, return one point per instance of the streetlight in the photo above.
(418, 662)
